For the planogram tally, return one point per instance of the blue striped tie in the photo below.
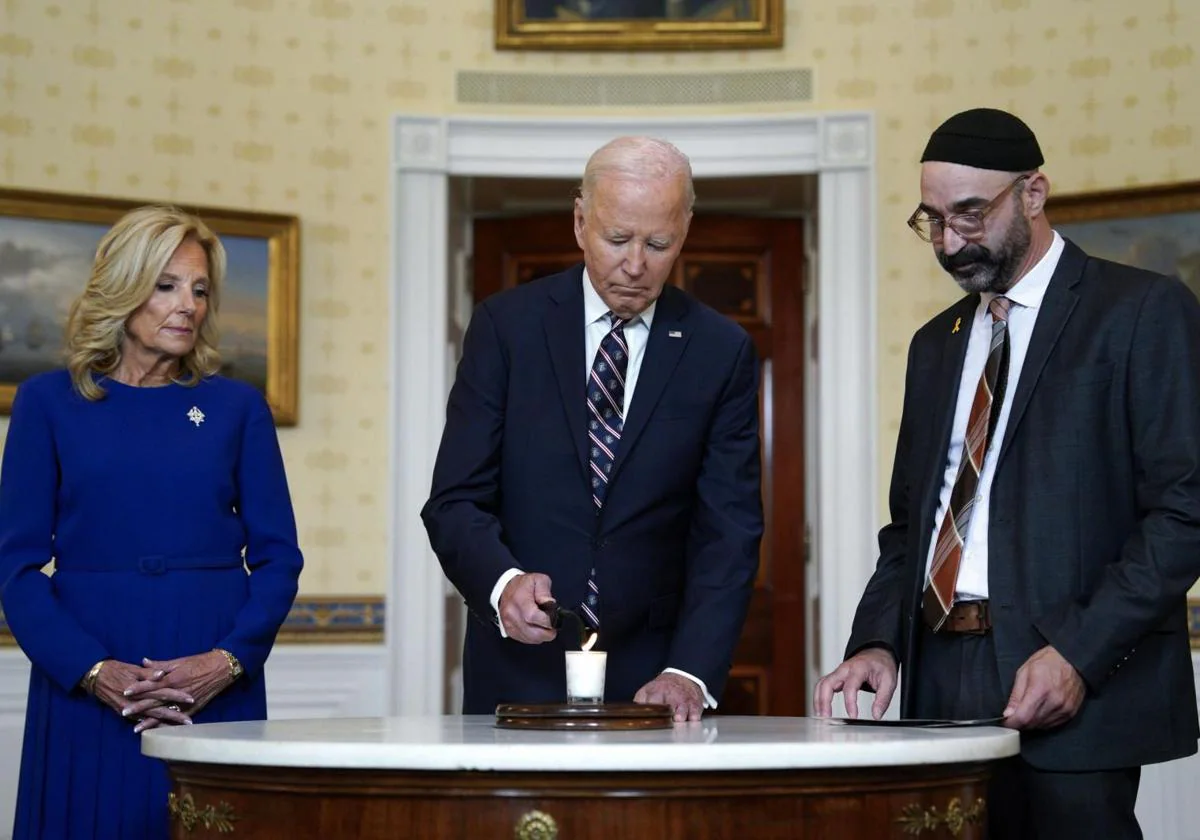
(606, 417)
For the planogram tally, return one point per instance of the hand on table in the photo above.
(875, 667)
(683, 696)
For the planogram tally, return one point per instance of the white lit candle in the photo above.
(585, 674)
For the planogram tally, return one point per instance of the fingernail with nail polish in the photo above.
(125, 712)
(158, 674)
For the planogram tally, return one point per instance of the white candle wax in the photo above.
(585, 675)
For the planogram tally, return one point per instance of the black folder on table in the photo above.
(919, 723)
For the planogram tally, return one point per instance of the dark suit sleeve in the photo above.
(1160, 560)
(877, 620)
(50, 635)
(726, 529)
(461, 515)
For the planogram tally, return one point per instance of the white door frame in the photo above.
(427, 151)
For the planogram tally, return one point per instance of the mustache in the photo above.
(967, 256)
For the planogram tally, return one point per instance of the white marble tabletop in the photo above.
(474, 743)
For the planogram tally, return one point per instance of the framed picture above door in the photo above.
(638, 24)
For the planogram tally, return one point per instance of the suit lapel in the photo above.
(668, 338)
(954, 354)
(1057, 305)
(565, 341)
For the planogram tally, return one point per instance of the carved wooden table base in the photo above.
(298, 804)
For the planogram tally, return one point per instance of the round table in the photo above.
(436, 778)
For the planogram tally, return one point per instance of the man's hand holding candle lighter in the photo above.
(521, 610)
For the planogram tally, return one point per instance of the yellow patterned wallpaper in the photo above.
(283, 105)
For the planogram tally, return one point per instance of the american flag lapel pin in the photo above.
(674, 334)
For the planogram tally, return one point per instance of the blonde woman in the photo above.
(146, 477)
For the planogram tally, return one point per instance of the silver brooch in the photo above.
(196, 415)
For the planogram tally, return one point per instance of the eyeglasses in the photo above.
(968, 224)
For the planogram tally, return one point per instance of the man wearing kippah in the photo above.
(1045, 501)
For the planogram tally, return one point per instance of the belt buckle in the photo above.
(977, 610)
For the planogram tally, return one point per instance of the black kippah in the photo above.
(985, 138)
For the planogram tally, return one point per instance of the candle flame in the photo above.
(591, 641)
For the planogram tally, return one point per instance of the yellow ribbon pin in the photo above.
(957, 324)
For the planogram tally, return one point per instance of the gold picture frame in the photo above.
(1156, 228)
(655, 25)
(48, 241)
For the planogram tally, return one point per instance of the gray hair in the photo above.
(643, 158)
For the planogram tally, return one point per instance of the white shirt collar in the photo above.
(1030, 289)
(594, 307)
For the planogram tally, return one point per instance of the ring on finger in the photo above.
(173, 708)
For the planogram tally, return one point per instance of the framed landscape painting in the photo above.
(638, 24)
(1156, 228)
(48, 242)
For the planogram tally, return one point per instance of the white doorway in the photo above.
(429, 151)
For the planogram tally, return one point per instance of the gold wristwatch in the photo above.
(235, 667)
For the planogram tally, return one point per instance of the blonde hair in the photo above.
(640, 158)
(129, 260)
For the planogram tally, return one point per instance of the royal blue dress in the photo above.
(146, 500)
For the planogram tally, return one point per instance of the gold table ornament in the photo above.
(221, 817)
(536, 825)
(916, 820)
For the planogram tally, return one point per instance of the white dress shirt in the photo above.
(1026, 297)
(637, 332)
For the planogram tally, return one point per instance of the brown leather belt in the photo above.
(971, 617)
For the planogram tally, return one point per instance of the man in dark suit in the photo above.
(1045, 500)
(602, 438)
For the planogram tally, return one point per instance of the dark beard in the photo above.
(990, 272)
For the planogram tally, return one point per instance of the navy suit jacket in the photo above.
(1094, 536)
(675, 547)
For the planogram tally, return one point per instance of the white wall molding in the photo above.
(420, 383)
(421, 146)
(326, 681)
(847, 414)
(839, 148)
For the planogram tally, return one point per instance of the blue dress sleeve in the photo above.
(50, 635)
(272, 552)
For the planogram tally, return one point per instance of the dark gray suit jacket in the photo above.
(1094, 537)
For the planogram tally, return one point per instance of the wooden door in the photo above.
(752, 271)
